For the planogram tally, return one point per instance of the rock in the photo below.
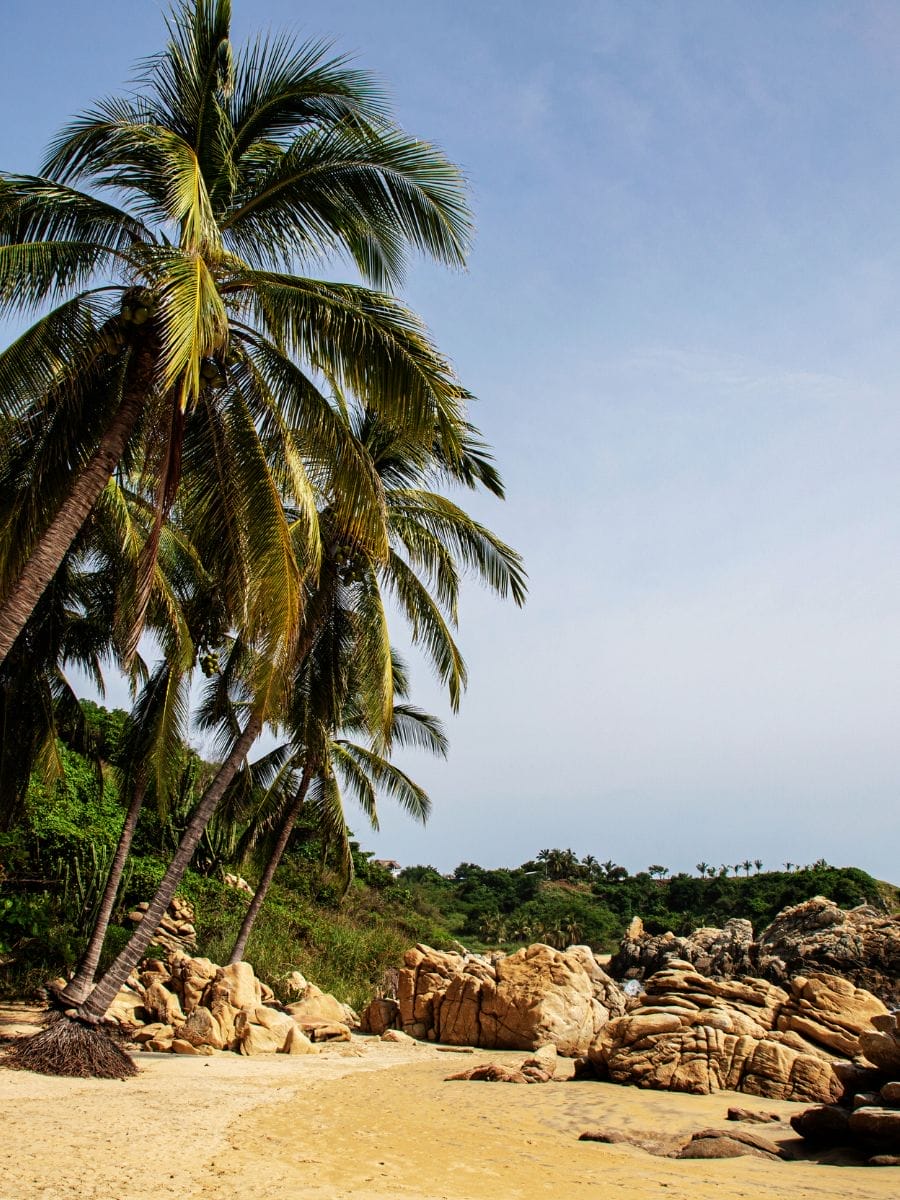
(726, 951)
(128, 1008)
(180, 1046)
(161, 1003)
(325, 1031)
(202, 1029)
(296, 984)
(148, 1033)
(827, 1125)
(830, 1012)
(240, 985)
(696, 1034)
(881, 1045)
(317, 1005)
(884, 1160)
(754, 1116)
(890, 1093)
(256, 1039)
(609, 1137)
(880, 1125)
(190, 978)
(176, 929)
(380, 1014)
(517, 1002)
(718, 1143)
(161, 1045)
(861, 945)
(297, 1042)
(532, 1070)
(397, 1035)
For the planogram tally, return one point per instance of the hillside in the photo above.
(53, 863)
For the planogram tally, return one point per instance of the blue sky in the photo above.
(681, 320)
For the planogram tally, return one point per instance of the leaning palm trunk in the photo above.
(287, 826)
(87, 485)
(82, 981)
(105, 991)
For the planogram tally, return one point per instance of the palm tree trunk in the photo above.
(107, 988)
(81, 982)
(287, 825)
(87, 485)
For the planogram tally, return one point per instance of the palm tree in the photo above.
(429, 537)
(261, 162)
(328, 704)
(659, 871)
(702, 868)
(758, 863)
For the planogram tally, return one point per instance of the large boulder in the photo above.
(859, 944)
(537, 995)
(696, 1034)
(316, 1005)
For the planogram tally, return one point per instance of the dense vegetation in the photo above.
(54, 865)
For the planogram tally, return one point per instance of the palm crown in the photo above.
(168, 232)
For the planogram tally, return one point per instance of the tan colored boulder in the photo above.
(182, 1046)
(253, 1038)
(161, 1003)
(696, 1034)
(379, 1015)
(881, 1044)
(147, 1033)
(160, 1045)
(541, 995)
(877, 1124)
(397, 1035)
(317, 1005)
(241, 987)
(830, 1011)
(325, 1031)
(296, 983)
(297, 1042)
(190, 978)
(202, 1029)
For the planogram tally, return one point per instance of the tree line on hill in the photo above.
(559, 899)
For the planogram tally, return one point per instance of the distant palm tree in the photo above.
(747, 864)
(758, 863)
(658, 870)
(702, 868)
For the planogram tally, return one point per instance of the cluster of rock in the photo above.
(692, 1033)
(861, 945)
(176, 930)
(517, 1002)
(869, 1120)
(192, 1006)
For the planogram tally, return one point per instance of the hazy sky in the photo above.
(681, 318)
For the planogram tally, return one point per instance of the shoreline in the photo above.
(374, 1120)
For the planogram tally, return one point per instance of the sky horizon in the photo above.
(679, 319)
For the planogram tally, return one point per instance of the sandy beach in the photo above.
(371, 1119)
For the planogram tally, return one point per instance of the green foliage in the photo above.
(550, 899)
